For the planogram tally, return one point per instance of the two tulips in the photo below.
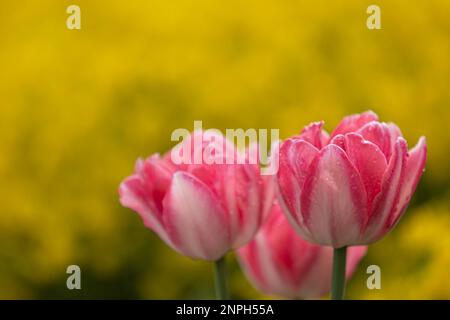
(291, 231)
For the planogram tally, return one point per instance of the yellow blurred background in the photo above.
(78, 107)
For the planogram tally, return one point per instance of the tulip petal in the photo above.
(314, 134)
(316, 280)
(293, 257)
(415, 166)
(249, 259)
(296, 157)
(258, 265)
(354, 122)
(339, 140)
(334, 204)
(242, 193)
(278, 261)
(287, 186)
(194, 218)
(369, 161)
(143, 192)
(394, 132)
(132, 196)
(156, 175)
(386, 202)
(380, 135)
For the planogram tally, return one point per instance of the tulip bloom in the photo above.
(350, 187)
(200, 210)
(279, 262)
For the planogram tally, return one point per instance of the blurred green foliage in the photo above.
(78, 107)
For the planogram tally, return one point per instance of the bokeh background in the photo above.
(77, 108)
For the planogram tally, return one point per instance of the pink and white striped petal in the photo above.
(296, 157)
(380, 135)
(333, 199)
(194, 219)
(339, 140)
(369, 161)
(259, 267)
(242, 197)
(132, 194)
(386, 202)
(353, 122)
(315, 135)
(415, 166)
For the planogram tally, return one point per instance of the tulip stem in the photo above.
(220, 279)
(338, 280)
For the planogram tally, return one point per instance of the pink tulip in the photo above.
(279, 262)
(200, 210)
(352, 187)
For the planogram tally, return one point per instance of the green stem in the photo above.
(338, 281)
(220, 279)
